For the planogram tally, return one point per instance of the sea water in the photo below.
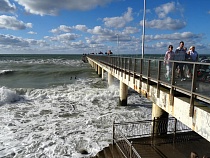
(54, 106)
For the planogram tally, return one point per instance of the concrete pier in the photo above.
(160, 114)
(171, 97)
(110, 79)
(99, 71)
(123, 94)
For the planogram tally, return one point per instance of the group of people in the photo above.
(181, 54)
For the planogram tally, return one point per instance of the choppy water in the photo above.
(53, 106)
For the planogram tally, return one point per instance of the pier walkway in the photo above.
(187, 101)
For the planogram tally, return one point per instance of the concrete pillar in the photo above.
(99, 71)
(96, 68)
(110, 79)
(161, 124)
(102, 74)
(123, 94)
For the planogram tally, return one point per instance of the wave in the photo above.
(3, 72)
(8, 96)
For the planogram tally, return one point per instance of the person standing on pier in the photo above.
(180, 54)
(192, 56)
(169, 55)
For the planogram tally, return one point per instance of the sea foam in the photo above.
(8, 96)
(61, 120)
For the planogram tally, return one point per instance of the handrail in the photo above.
(124, 132)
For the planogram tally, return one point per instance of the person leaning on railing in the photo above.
(192, 56)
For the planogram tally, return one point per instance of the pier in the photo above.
(188, 102)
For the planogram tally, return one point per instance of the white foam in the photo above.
(61, 120)
(5, 71)
(8, 96)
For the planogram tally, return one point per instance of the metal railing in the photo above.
(152, 71)
(123, 133)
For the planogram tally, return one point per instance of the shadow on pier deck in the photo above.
(164, 147)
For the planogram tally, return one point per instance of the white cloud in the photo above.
(61, 28)
(165, 9)
(130, 30)
(32, 33)
(174, 36)
(52, 7)
(6, 6)
(10, 22)
(165, 24)
(119, 22)
(10, 41)
(100, 31)
(81, 28)
(67, 37)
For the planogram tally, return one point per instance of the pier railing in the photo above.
(124, 133)
(153, 71)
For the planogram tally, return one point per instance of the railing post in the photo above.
(193, 88)
(148, 75)
(171, 97)
(125, 60)
(129, 68)
(134, 71)
(153, 129)
(175, 124)
(113, 132)
(158, 79)
(140, 77)
(131, 149)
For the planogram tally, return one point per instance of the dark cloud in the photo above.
(6, 6)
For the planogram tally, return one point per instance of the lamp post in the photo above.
(143, 30)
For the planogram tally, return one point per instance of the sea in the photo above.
(55, 106)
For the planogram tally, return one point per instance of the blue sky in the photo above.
(86, 26)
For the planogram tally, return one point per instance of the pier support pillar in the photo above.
(110, 79)
(123, 94)
(102, 74)
(99, 71)
(96, 68)
(160, 122)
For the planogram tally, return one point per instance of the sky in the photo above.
(91, 26)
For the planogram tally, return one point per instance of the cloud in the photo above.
(119, 22)
(81, 28)
(52, 7)
(165, 9)
(98, 30)
(10, 22)
(61, 28)
(64, 38)
(165, 24)
(7, 7)
(130, 30)
(10, 41)
(174, 36)
(32, 33)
